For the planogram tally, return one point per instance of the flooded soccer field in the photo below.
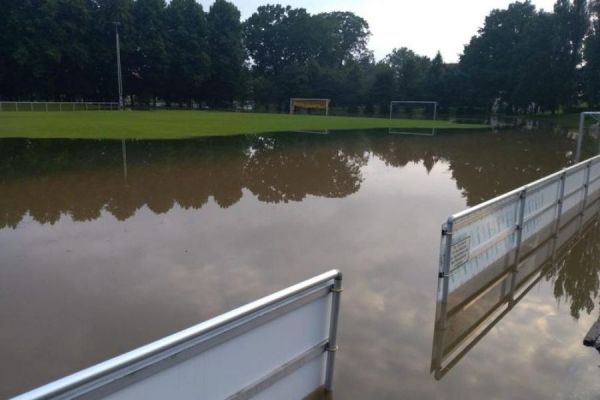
(108, 245)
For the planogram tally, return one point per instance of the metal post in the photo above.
(435, 111)
(333, 326)
(119, 76)
(446, 255)
(291, 106)
(31, 106)
(391, 104)
(580, 136)
(46, 106)
(586, 185)
(519, 239)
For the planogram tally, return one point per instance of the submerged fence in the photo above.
(281, 346)
(56, 106)
(472, 311)
(476, 238)
(492, 254)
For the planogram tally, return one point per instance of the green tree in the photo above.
(570, 27)
(188, 61)
(434, 85)
(103, 71)
(591, 71)
(343, 37)
(409, 73)
(383, 88)
(148, 66)
(226, 53)
(491, 59)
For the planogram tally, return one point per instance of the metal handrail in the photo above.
(514, 192)
(127, 364)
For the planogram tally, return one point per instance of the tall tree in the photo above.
(149, 57)
(343, 37)
(570, 27)
(383, 88)
(104, 71)
(409, 72)
(434, 85)
(226, 53)
(591, 71)
(188, 61)
(492, 57)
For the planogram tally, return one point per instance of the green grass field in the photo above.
(184, 124)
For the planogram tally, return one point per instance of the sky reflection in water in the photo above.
(96, 260)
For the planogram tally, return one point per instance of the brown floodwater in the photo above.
(108, 245)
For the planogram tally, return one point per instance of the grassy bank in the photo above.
(182, 124)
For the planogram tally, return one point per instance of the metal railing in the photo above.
(237, 355)
(479, 236)
(470, 315)
(56, 106)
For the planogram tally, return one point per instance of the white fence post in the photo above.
(333, 326)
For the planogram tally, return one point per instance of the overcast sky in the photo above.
(424, 26)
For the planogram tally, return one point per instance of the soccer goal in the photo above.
(420, 104)
(424, 105)
(582, 118)
(309, 104)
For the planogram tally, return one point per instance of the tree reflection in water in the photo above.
(47, 178)
(83, 178)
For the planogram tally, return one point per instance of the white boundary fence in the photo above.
(475, 238)
(281, 346)
(56, 106)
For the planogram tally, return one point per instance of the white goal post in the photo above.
(582, 117)
(319, 104)
(409, 102)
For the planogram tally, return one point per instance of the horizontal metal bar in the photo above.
(280, 373)
(531, 186)
(594, 180)
(568, 195)
(171, 346)
(539, 212)
(494, 240)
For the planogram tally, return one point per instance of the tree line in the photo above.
(521, 60)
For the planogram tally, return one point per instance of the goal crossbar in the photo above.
(434, 103)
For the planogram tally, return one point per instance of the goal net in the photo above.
(410, 108)
(309, 104)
